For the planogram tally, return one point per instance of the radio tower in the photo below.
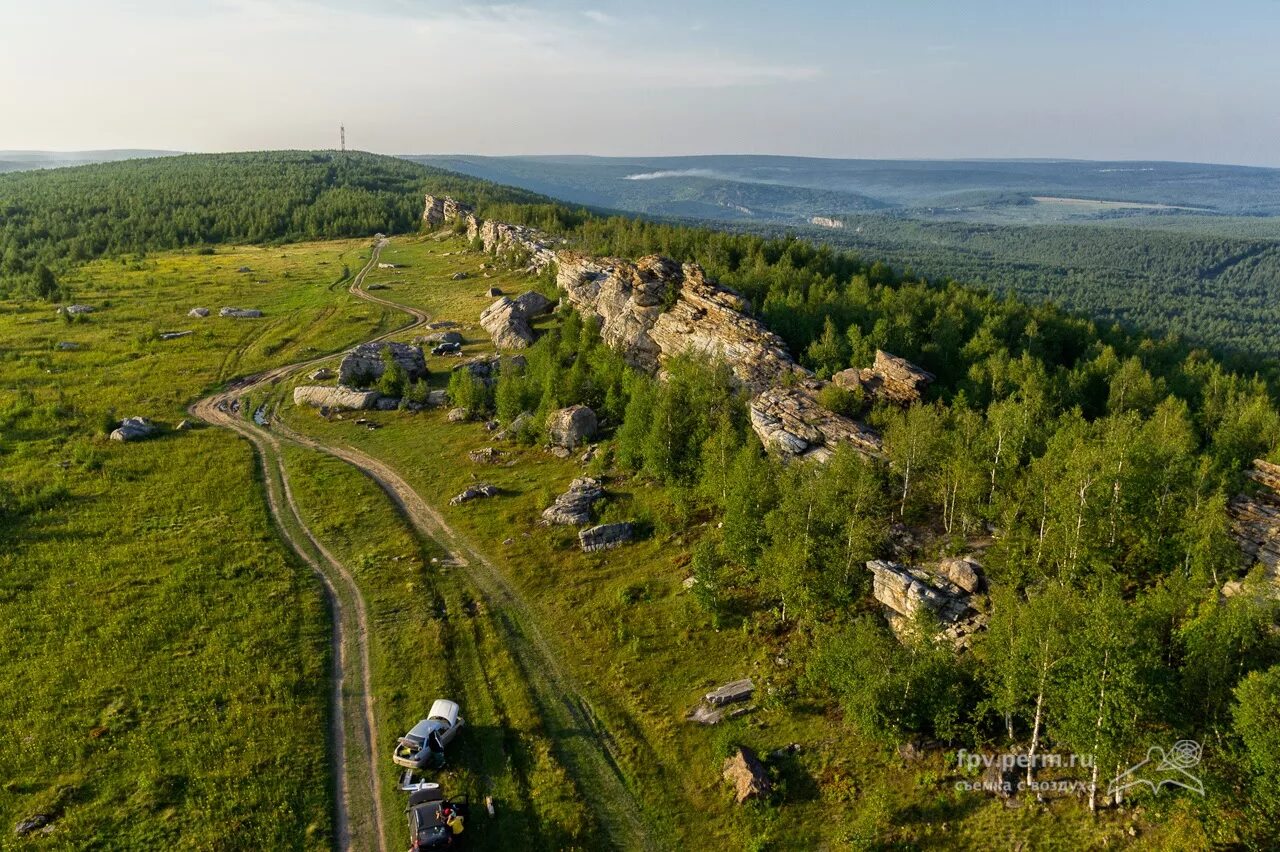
(342, 137)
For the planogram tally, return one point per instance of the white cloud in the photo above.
(677, 173)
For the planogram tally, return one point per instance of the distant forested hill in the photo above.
(53, 219)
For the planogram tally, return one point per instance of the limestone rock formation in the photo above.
(1255, 519)
(441, 209)
(240, 313)
(963, 571)
(198, 313)
(474, 492)
(364, 365)
(747, 774)
(791, 421)
(573, 507)
(896, 379)
(133, 429)
(507, 324)
(499, 238)
(904, 590)
(605, 536)
(339, 398)
(655, 309)
(571, 426)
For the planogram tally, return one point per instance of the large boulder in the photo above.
(789, 420)
(571, 426)
(962, 571)
(573, 507)
(364, 364)
(606, 536)
(747, 774)
(895, 379)
(240, 313)
(133, 429)
(507, 324)
(320, 396)
(533, 303)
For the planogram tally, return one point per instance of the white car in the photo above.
(423, 746)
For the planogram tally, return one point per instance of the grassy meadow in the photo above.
(165, 657)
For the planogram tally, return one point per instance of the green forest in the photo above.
(51, 220)
(1095, 463)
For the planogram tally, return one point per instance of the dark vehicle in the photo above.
(434, 821)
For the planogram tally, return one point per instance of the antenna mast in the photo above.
(342, 137)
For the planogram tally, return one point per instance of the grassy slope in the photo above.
(165, 658)
(645, 652)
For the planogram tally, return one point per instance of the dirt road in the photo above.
(585, 746)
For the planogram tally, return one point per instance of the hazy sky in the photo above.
(1073, 78)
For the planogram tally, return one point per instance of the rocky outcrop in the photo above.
(364, 364)
(962, 571)
(500, 238)
(791, 421)
(198, 313)
(605, 536)
(133, 429)
(890, 378)
(573, 507)
(507, 324)
(1255, 519)
(571, 426)
(656, 309)
(441, 209)
(904, 590)
(76, 310)
(747, 774)
(475, 492)
(339, 398)
(240, 313)
(487, 367)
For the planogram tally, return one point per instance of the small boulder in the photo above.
(439, 337)
(573, 507)
(747, 774)
(173, 335)
(458, 276)
(450, 348)
(76, 310)
(571, 426)
(133, 429)
(198, 313)
(324, 374)
(339, 398)
(475, 492)
(484, 455)
(240, 313)
(605, 536)
(387, 403)
(457, 415)
(493, 292)
(68, 346)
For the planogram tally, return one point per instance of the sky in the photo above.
(1173, 80)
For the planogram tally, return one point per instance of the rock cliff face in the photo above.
(440, 209)
(1255, 520)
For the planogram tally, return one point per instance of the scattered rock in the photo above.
(747, 774)
(571, 426)
(68, 346)
(605, 536)
(442, 324)
(518, 425)
(737, 690)
(573, 507)
(493, 292)
(76, 310)
(484, 455)
(240, 313)
(559, 452)
(32, 823)
(387, 403)
(475, 492)
(244, 269)
(376, 286)
(458, 276)
(437, 398)
(589, 455)
(457, 415)
(174, 335)
(198, 313)
(439, 337)
(336, 398)
(133, 429)
(364, 363)
(324, 374)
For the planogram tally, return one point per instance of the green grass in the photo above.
(165, 666)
